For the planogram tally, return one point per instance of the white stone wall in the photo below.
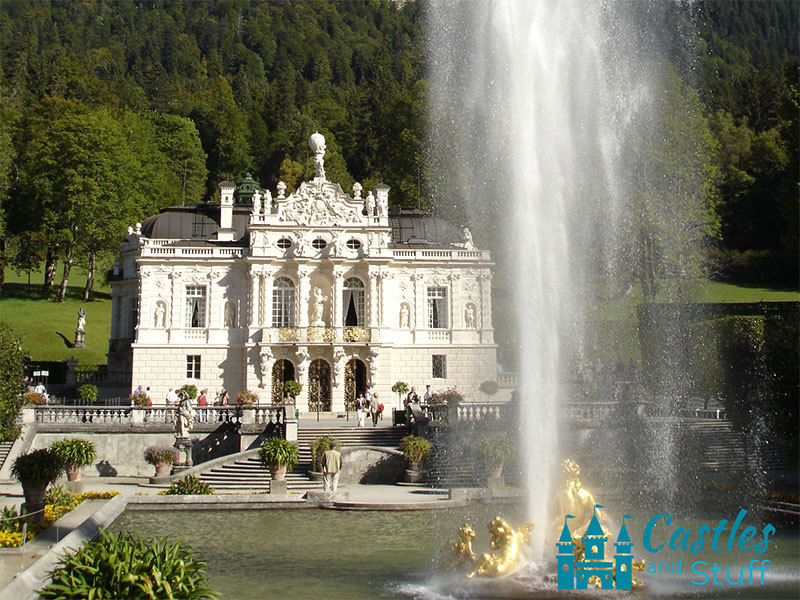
(164, 367)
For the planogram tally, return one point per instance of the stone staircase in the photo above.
(5, 448)
(248, 474)
(724, 447)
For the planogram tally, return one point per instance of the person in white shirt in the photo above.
(172, 397)
(429, 395)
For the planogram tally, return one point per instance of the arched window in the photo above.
(353, 303)
(283, 302)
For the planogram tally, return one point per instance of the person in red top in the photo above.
(202, 403)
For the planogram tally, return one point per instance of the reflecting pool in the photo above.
(306, 554)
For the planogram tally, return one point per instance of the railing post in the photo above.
(248, 415)
(290, 423)
(137, 416)
(28, 415)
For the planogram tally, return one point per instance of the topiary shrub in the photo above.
(191, 390)
(489, 387)
(318, 449)
(88, 393)
(127, 566)
(292, 388)
(189, 486)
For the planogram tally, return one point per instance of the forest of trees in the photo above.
(111, 110)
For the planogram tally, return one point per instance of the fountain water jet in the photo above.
(535, 107)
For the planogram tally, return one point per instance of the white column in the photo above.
(211, 320)
(338, 296)
(176, 306)
(420, 321)
(373, 298)
(254, 281)
(451, 292)
(304, 276)
(269, 280)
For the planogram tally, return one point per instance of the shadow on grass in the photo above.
(23, 291)
(67, 343)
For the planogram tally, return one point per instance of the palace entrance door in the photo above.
(282, 371)
(355, 382)
(319, 385)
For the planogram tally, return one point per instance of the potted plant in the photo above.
(278, 455)
(162, 458)
(75, 453)
(292, 388)
(247, 398)
(318, 449)
(400, 388)
(416, 451)
(493, 450)
(138, 399)
(35, 471)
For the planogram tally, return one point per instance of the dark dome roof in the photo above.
(422, 227)
(198, 222)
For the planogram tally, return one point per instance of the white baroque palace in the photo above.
(333, 291)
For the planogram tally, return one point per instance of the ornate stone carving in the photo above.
(318, 203)
(357, 191)
(470, 316)
(468, 243)
(281, 187)
(265, 357)
(256, 202)
(405, 316)
(318, 308)
(317, 144)
(230, 314)
(369, 205)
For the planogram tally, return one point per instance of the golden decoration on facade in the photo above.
(287, 334)
(356, 334)
(320, 334)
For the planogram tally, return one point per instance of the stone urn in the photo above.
(414, 473)
(277, 473)
(34, 495)
(163, 469)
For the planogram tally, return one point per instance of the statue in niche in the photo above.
(160, 316)
(468, 243)
(230, 314)
(470, 317)
(256, 203)
(318, 308)
(185, 420)
(369, 204)
(264, 357)
(405, 316)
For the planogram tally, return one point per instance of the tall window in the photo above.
(439, 366)
(193, 366)
(283, 303)
(196, 305)
(437, 308)
(353, 303)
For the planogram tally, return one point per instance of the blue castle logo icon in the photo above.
(575, 575)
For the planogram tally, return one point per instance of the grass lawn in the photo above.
(47, 328)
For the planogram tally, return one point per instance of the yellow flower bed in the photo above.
(52, 512)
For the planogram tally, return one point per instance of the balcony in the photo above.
(316, 335)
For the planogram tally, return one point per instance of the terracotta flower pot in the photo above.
(496, 471)
(34, 496)
(163, 469)
(73, 473)
(315, 475)
(278, 473)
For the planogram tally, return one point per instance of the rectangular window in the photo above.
(195, 306)
(193, 366)
(134, 318)
(437, 308)
(439, 366)
(283, 306)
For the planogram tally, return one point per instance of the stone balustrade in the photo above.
(162, 250)
(114, 416)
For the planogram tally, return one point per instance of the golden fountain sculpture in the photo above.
(506, 543)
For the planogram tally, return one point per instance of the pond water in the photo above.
(306, 554)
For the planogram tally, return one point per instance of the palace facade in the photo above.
(333, 291)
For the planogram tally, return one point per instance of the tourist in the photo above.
(202, 407)
(331, 465)
(368, 394)
(374, 410)
(149, 397)
(412, 397)
(361, 405)
(40, 389)
(429, 395)
(172, 397)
